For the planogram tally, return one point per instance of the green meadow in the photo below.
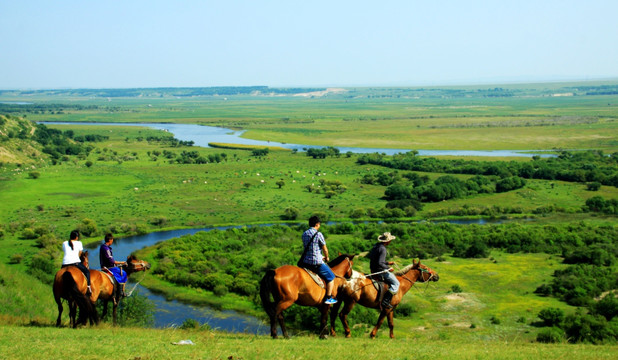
(128, 184)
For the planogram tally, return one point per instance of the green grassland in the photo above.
(27, 342)
(531, 119)
(125, 188)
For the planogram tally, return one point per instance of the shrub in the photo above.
(190, 324)
(16, 259)
(551, 335)
(405, 310)
(87, 227)
(495, 320)
(34, 175)
(88, 163)
(29, 234)
(159, 220)
(48, 240)
(456, 289)
(357, 213)
(551, 316)
(291, 213)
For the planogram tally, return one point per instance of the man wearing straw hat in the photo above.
(379, 265)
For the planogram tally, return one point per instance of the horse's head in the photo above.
(135, 265)
(343, 263)
(84, 259)
(426, 274)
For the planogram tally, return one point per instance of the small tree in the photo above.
(280, 183)
(594, 186)
(291, 213)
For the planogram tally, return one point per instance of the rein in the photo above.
(137, 283)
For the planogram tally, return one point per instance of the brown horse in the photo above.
(103, 285)
(290, 284)
(359, 289)
(70, 284)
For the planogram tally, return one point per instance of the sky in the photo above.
(149, 43)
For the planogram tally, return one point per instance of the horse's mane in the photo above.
(404, 270)
(339, 259)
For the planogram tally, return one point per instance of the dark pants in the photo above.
(83, 269)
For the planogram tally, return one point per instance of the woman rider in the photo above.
(72, 251)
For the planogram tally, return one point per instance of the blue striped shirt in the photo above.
(313, 255)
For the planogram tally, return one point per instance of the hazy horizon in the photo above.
(154, 44)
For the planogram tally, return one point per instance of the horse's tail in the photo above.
(266, 290)
(86, 309)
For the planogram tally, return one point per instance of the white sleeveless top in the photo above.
(71, 256)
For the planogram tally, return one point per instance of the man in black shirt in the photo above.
(378, 264)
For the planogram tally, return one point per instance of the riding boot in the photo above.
(386, 301)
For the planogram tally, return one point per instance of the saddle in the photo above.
(318, 280)
(112, 278)
(380, 286)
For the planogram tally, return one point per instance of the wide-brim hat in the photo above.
(386, 237)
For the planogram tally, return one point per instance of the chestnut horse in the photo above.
(70, 284)
(102, 284)
(290, 284)
(359, 289)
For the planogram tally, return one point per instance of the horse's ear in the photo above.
(339, 253)
(416, 263)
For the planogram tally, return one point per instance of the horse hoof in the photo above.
(347, 336)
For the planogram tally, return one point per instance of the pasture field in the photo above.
(430, 119)
(127, 185)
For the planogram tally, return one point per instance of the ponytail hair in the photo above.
(74, 235)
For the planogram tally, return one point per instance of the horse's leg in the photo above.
(334, 310)
(104, 308)
(324, 320)
(114, 313)
(72, 313)
(59, 302)
(391, 324)
(378, 324)
(279, 308)
(343, 316)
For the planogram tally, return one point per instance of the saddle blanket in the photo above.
(119, 274)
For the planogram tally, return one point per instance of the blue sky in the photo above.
(135, 43)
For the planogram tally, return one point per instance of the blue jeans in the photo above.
(325, 272)
(391, 280)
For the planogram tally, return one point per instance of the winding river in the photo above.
(202, 135)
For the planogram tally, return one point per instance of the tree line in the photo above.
(584, 166)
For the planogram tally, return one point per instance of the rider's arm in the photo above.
(325, 252)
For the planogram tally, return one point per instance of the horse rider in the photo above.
(106, 257)
(312, 258)
(73, 249)
(378, 264)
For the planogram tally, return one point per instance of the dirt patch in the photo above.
(322, 93)
(461, 301)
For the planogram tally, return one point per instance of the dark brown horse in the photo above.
(70, 284)
(103, 285)
(359, 289)
(290, 284)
